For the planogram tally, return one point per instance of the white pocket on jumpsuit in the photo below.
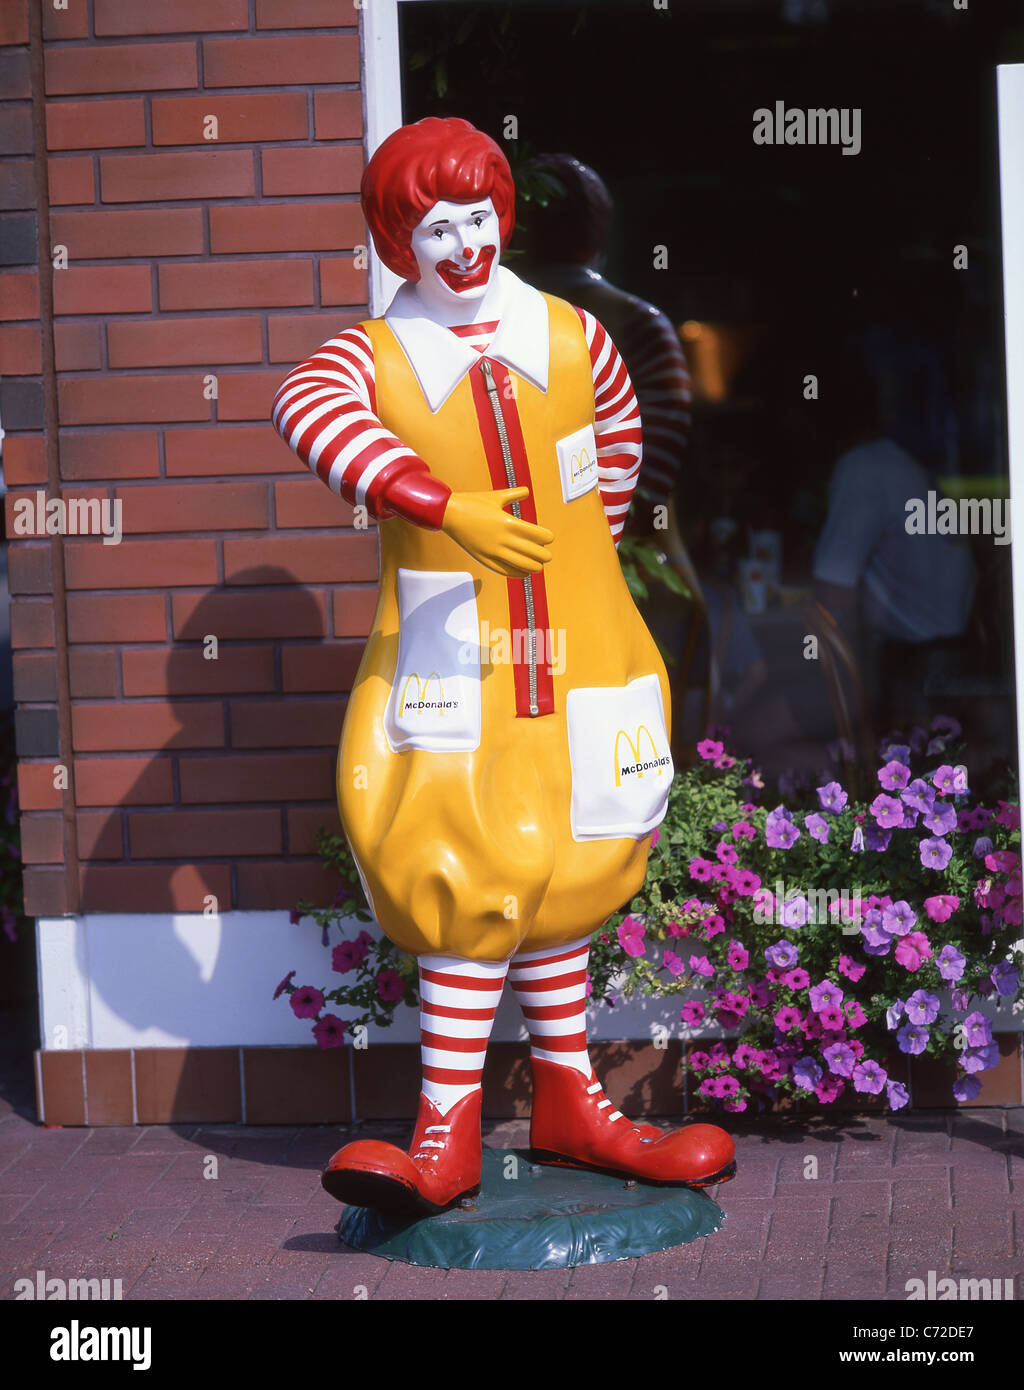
(619, 755)
(435, 697)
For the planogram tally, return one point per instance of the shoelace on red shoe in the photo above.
(431, 1143)
(604, 1101)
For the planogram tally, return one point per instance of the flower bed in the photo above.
(819, 936)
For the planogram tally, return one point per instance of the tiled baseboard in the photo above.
(304, 1085)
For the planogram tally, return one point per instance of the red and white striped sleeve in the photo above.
(616, 425)
(325, 410)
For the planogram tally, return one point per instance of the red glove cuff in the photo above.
(417, 496)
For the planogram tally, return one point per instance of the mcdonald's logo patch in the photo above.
(419, 702)
(638, 765)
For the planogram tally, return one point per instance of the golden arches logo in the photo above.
(421, 687)
(580, 463)
(634, 748)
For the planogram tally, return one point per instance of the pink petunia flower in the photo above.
(390, 986)
(329, 1031)
(913, 950)
(306, 1002)
(941, 907)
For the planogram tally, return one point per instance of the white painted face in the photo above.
(456, 248)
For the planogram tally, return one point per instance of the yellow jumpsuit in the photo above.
(499, 831)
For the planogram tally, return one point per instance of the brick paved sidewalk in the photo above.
(892, 1199)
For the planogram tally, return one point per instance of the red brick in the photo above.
(123, 781)
(336, 226)
(102, 235)
(148, 178)
(110, 400)
(165, 342)
(247, 117)
(14, 23)
(286, 723)
(308, 559)
(19, 295)
(35, 677)
(77, 347)
(116, 618)
(203, 834)
(69, 23)
(247, 395)
(17, 177)
(155, 888)
(123, 67)
(139, 564)
(24, 459)
(321, 667)
(157, 724)
(71, 180)
(225, 450)
(283, 885)
(316, 169)
(353, 611)
(341, 282)
(45, 893)
(92, 673)
(305, 821)
(281, 61)
(16, 128)
(302, 14)
(338, 115)
(100, 835)
(194, 507)
(114, 17)
(103, 289)
(31, 623)
(258, 613)
(20, 349)
(121, 454)
(29, 567)
(94, 125)
(307, 502)
(42, 839)
(257, 777)
(294, 337)
(36, 791)
(184, 671)
(278, 283)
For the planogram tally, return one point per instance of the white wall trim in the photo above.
(382, 112)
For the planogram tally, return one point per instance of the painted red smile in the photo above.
(459, 278)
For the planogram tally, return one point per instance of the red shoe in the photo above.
(575, 1125)
(442, 1165)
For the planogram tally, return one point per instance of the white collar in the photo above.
(440, 358)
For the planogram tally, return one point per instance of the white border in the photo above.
(1010, 90)
(381, 81)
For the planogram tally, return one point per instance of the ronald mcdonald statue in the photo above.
(505, 754)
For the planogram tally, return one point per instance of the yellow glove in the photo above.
(504, 543)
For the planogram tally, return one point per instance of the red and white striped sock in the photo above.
(458, 1000)
(551, 988)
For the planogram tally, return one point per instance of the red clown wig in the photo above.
(419, 165)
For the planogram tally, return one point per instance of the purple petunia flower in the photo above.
(886, 810)
(782, 955)
(817, 827)
(941, 819)
(894, 1013)
(898, 919)
(825, 994)
(832, 797)
(945, 779)
(795, 912)
(966, 1088)
(306, 1002)
(897, 1095)
(806, 1073)
(951, 963)
(840, 1058)
(693, 1012)
(780, 833)
(857, 843)
(700, 965)
(935, 853)
(1005, 977)
(922, 1007)
(869, 1078)
(912, 1038)
(876, 839)
(975, 1059)
(977, 1030)
(919, 795)
(877, 940)
(894, 776)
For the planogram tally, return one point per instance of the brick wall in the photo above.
(198, 272)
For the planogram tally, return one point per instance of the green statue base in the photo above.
(532, 1217)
